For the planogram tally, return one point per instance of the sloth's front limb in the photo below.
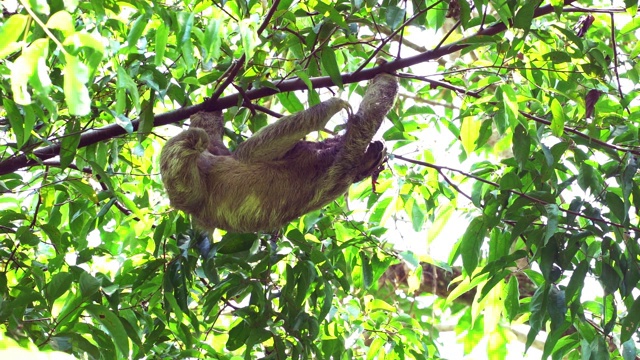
(275, 140)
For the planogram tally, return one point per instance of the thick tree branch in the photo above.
(110, 131)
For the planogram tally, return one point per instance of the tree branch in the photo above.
(110, 131)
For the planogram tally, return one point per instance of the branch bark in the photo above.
(437, 281)
(110, 131)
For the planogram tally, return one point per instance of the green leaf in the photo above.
(26, 236)
(238, 335)
(76, 94)
(85, 190)
(510, 101)
(379, 304)
(558, 118)
(15, 120)
(588, 178)
(442, 219)
(40, 6)
(629, 350)
(10, 33)
(521, 145)
(249, 38)
(145, 126)
(113, 325)
(609, 278)
(524, 16)
(329, 10)
(327, 302)
(557, 57)
(557, 307)
(417, 216)
(125, 84)
(631, 26)
(213, 39)
(553, 217)
(94, 49)
(395, 16)
(89, 285)
(32, 61)
(557, 6)
(510, 181)
(574, 288)
(367, 272)
(512, 299)
(330, 65)
(617, 207)
(137, 29)
(29, 122)
(162, 35)
(538, 307)
(290, 101)
(471, 243)
(60, 283)
(129, 204)
(547, 260)
(375, 348)
(69, 143)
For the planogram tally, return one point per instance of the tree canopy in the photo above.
(513, 146)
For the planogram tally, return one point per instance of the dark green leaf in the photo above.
(395, 16)
(617, 207)
(367, 272)
(330, 65)
(521, 145)
(538, 307)
(60, 283)
(510, 181)
(524, 16)
(629, 350)
(512, 299)
(112, 324)
(137, 28)
(557, 307)
(417, 217)
(89, 285)
(26, 236)
(553, 217)
(609, 278)
(557, 57)
(574, 288)
(471, 243)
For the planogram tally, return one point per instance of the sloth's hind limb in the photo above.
(273, 141)
(358, 157)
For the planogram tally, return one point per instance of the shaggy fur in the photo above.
(274, 176)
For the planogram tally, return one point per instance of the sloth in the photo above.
(274, 176)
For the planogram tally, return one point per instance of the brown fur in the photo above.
(274, 176)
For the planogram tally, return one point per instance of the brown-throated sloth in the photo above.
(274, 176)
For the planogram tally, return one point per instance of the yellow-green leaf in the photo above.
(558, 118)
(469, 133)
(10, 33)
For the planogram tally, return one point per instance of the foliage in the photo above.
(536, 106)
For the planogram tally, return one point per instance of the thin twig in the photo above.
(519, 193)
